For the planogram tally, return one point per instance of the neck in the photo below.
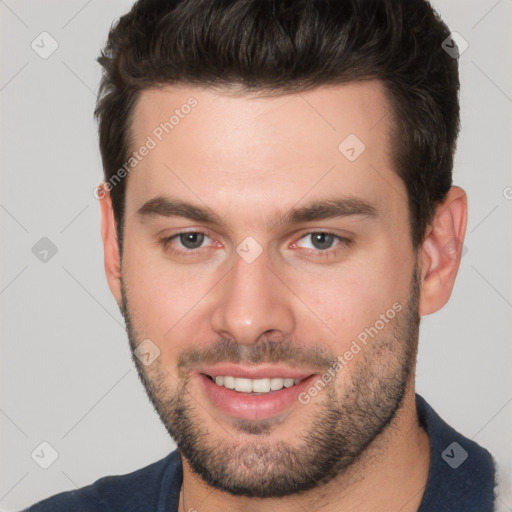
(390, 475)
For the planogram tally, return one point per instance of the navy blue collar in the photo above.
(461, 476)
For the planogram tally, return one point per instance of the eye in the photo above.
(315, 243)
(192, 240)
(322, 242)
(185, 242)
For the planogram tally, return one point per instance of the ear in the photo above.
(441, 251)
(110, 242)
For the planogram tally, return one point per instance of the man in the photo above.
(277, 214)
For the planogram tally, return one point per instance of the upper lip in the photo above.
(254, 372)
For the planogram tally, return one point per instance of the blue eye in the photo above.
(192, 240)
(322, 241)
(194, 243)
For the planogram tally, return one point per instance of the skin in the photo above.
(248, 160)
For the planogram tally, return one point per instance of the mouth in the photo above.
(253, 394)
(254, 386)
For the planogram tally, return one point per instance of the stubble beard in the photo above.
(345, 422)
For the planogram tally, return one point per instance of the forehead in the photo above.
(329, 111)
(231, 149)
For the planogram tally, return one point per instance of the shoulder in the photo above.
(126, 493)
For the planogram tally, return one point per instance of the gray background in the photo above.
(66, 374)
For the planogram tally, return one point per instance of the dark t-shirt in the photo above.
(461, 479)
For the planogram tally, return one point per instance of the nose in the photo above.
(252, 302)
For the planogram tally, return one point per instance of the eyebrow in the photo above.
(161, 206)
(329, 208)
(338, 207)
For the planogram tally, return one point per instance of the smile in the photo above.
(264, 385)
(253, 393)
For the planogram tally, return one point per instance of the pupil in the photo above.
(322, 240)
(191, 240)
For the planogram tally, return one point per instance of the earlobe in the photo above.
(110, 243)
(441, 251)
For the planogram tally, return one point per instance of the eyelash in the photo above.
(343, 242)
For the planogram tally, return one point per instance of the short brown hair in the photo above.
(292, 46)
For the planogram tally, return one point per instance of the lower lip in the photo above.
(250, 406)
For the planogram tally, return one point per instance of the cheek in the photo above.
(345, 302)
(162, 297)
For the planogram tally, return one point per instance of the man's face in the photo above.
(251, 293)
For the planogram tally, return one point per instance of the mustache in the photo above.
(267, 351)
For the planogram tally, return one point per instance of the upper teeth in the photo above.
(255, 385)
